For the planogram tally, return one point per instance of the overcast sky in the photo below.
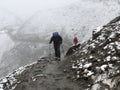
(26, 8)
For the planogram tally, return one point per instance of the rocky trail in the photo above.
(45, 75)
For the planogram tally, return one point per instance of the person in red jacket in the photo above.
(75, 40)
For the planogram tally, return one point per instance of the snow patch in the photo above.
(98, 29)
(90, 73)
(108, 58)
(103, 67)
(87, 65)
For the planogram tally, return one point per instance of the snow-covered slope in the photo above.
(78, 18)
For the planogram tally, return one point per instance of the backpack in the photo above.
(55, 34)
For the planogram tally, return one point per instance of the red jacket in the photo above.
(75, 40)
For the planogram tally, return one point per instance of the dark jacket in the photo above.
(57, 40)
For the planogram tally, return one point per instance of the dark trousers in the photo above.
(57, 50)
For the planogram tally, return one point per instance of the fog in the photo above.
(21, 50)
(25, 42)
(26, 8)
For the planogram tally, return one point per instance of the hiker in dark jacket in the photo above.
(57, 41)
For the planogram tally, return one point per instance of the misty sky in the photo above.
(26, 8)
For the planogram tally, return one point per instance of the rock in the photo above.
(100, 55)
(72, 50)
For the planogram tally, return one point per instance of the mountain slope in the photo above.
(8, 21)
(78, 18)
(94, 66)
(98, 59)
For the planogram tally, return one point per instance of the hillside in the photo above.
(8, 23)
(94, 66)
(80, 18)
(98, 61)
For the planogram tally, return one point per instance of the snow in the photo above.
(105, 47)
(83, 60)
(118, 71)
(111, 65)
(93, 45)
(90, 73)
(98, 29)
(73, 66)
(103, 67)
(87, 65)
(20, 70)
(108, 58)
(16, 72)
(1, 87)
(114, 58)
(91, 56)
(4, 80)
(119, 22)
(102, 38)
(98, 60)
(80, 65)
(118, 45)
(78, 76)
(112, 35)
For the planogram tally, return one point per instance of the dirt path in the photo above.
(45, 75)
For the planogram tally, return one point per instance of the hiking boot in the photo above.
(56, 58)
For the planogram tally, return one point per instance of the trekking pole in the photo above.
(49, 51)
(62, 49)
